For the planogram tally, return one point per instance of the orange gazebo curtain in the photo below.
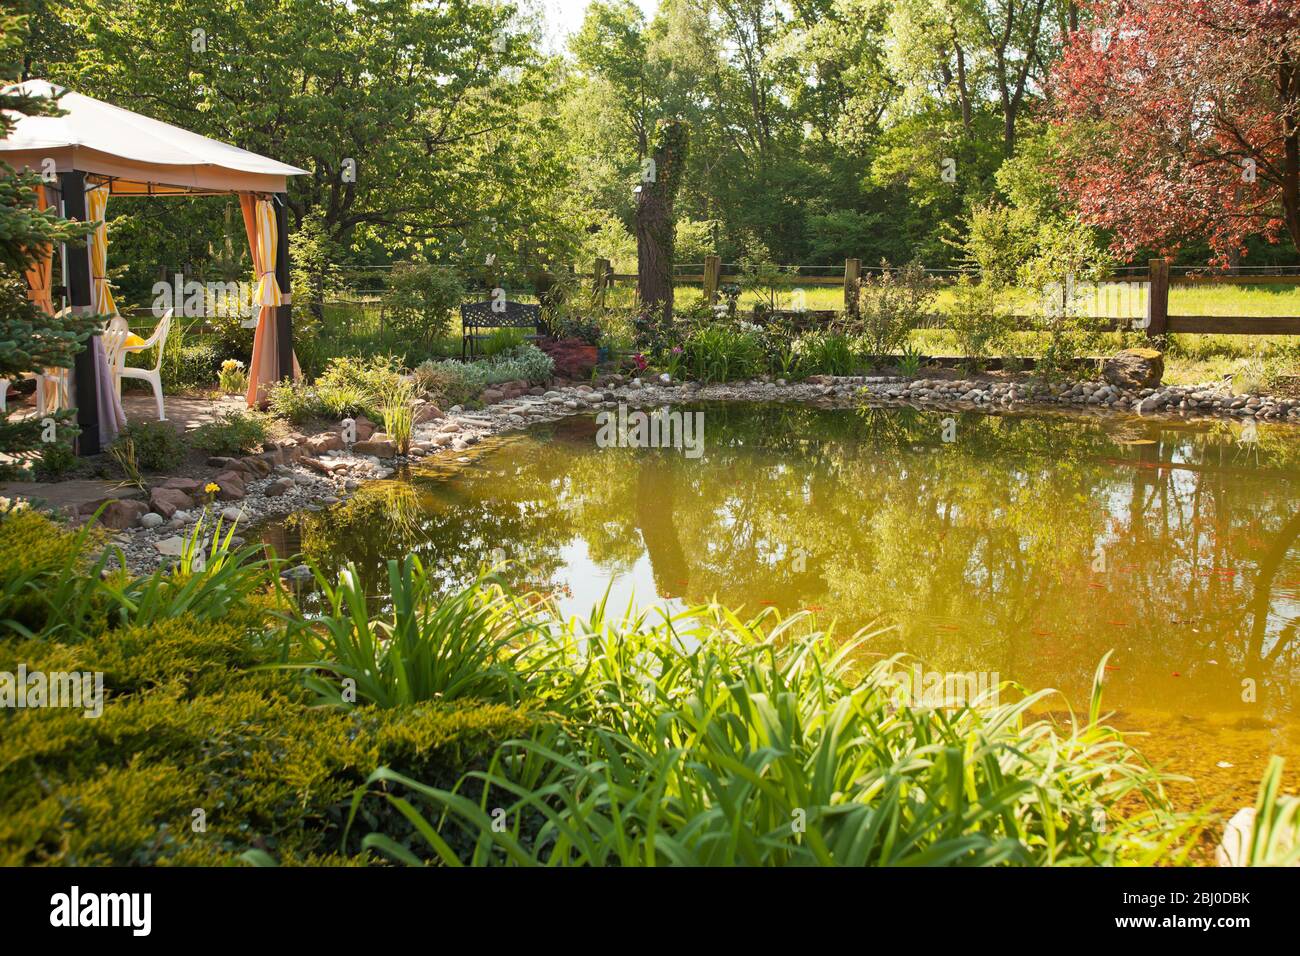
(39, 275)
(264, 368)
(39, 278)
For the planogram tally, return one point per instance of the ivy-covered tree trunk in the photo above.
(661, 175)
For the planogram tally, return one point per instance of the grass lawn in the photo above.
(1191, 358)
(358, 327)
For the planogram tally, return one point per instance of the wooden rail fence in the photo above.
(1157, 321)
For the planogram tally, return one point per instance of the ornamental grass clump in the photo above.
(424, 646)
(721, 353)
(397, 409)
(708, 740)
(352, 386)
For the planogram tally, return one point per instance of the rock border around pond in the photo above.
(321, 470)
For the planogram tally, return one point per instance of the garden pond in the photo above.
(1026, 545)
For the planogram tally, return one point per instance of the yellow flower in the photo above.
(212, 487)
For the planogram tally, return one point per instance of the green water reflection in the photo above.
(1028, 545)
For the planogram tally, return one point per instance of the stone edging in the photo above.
(321, 471)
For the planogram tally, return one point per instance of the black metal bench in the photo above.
(482, 315)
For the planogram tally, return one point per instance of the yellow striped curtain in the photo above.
(112, 418)
(268, 290)
(101, 296)
(263, 239)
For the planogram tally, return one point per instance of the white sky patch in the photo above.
(564, 18)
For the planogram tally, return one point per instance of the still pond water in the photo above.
(1026, 545)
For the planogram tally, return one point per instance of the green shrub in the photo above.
(34, 553)
(158, 445)
(759, 747)
(422, 647)
(232, 433)
(295, 402)
(889, 304)
(187, 724)
(421, 299)
(454, 383)
(347, 401)
(450, 382)
(584, 328)
(189, 365)
(523, 363)
(191, 720)
(978, 320)
(1067, 259)
(352, 386)
(49, 592)
(56, 458)
(498, 341)
(999, 239)
(825, 353)
(718, 353)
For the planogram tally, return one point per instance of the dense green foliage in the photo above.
(751, 751)
(449, 134)
(30, 339)
(157, 446)
(190, 723)
(706, 739)
(421, 299)
(231, 433)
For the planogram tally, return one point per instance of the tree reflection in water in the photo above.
(1029, 545)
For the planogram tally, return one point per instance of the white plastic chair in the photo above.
(4, 393)
(151, 375)
(113, 339)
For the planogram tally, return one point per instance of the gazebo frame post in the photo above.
(72, 187)
(284, 312)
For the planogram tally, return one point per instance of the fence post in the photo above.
(852, 273)
(1158, 298)
(712, 275)
(599, 281)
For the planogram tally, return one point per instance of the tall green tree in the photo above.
(413, 119)
(30, 339)
(611, 51)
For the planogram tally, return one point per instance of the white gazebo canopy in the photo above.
(135, 154)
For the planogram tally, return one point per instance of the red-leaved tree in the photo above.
(1182, 119)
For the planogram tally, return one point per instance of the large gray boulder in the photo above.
(1134, 369)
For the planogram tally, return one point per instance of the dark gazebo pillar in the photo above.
(283, 313)
(72, 187)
